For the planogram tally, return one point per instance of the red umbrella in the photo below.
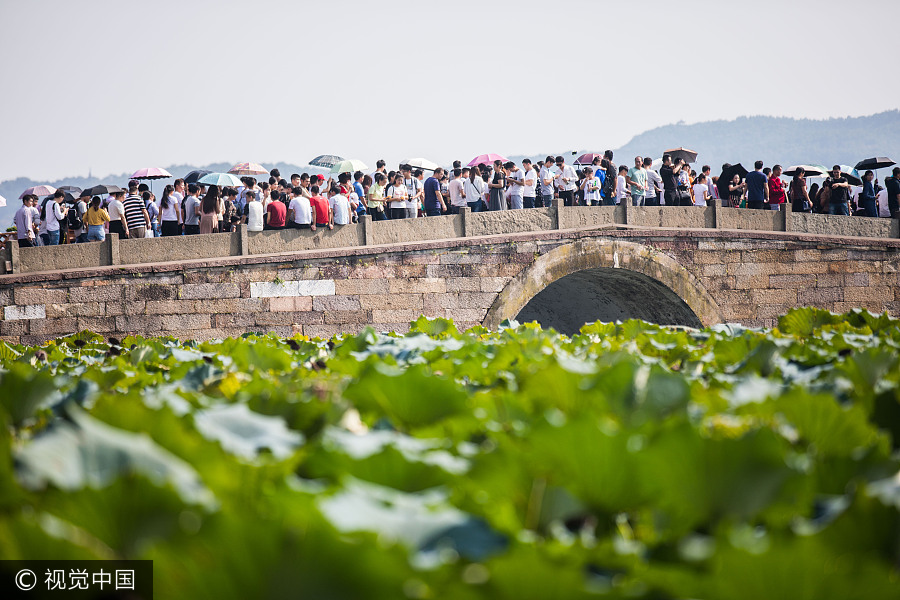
(39, 190)
(587, 159)
(486, 159)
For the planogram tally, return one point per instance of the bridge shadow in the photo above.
(606, 294)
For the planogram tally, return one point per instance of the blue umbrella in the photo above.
(220, 179)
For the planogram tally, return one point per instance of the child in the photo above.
(590, 187)
(620, 184)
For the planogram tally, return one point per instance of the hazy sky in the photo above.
(118, 85)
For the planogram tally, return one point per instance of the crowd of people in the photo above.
(305, 201)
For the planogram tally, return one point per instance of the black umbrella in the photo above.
(99, 190)
(194, 176)
(325, 161)
(875, 163)
(727, 175)
(70, 189)
(688, 156)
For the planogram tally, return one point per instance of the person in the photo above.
(710, 182)
(53, 214)
(116, 210)
(276, 212)
(152, 212)
(169, 213)
(413, 192)
(433, 200)
(209, 210)
(376, 197)
(192, 210)
(529, 184)
(777, 196)
(299, 214)
(590, 187)
(178, 192)
(568, 181)
(654, 184)
(701, 191)
(892, 187)
(839, 201)
(547, 177)
(339, 205)
(359, 186)
(457, 195)
(25, 226)
(867, 199)
(516, 180)
(473, 188)
(736, 191)
(253, 212)
(685, 191)
(621, 184)
(497, 186)
(136, 218)
(757, 187)
(669, 181)
(94, 218)
(398, 194)
(322, 210)
(637, 181)
(797, 191)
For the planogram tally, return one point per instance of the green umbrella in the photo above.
(348, 166)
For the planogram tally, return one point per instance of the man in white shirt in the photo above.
(24, 221)
(701, 191)
(457, 196)
(548, 176)
(620, 184)
(340, 206)
(529, 183)
(654, 184)
(299, 211)
(178, 194)
(568, 181)
(255, 219)
(516, 180)
(413, 187)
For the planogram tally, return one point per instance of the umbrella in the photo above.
(70, 189)
(220, 179)
(878, 162)
(248, 168)
(811, 171)
(348, 166)
(194, 176)
(151, 173)
(101, 189)
(851, 174)
(729, 173)
(587, 159)
(325, 161)
(688, 156)
(420, 163)
(2, 201)
(39, 190)
(486, 159)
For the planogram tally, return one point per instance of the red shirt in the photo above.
(277, 214)
(776, 191)
(320, 205)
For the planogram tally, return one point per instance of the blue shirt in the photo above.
(432, 185)
(358, 188)
(756, 186)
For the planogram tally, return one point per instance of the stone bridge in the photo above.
(560, 266)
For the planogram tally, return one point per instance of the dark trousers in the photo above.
(117, 227)
(528, 202)
(26, 243)
(170, 228)
(398, 213)
(651, 201)
(432, 212)
(378, 215)
(475, 206)
(757, 204)
(671, 197)
(870, 206)
(191, 229)
(568, 197)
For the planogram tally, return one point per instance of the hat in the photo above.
(320, 177)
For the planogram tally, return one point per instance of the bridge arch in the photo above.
(595, 279)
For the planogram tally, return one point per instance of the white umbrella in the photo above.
(420, 163)
(2, 201)
(348, 166)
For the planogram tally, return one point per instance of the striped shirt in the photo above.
(134, 212)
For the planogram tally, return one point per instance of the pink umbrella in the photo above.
(486, 159)
(587, 159)
(248, 168)
(151, 173)
(39, 190)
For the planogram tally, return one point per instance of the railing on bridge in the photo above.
(466, 224)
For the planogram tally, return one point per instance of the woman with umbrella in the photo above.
(497, 185)
(736, 191)
(209, 211)
(867, 198)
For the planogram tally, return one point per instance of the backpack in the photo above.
(73, 219)
(609, 184)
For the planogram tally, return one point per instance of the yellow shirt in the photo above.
(96, 217)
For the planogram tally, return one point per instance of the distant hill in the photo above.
(746, 139)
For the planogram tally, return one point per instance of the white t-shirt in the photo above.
(700, 192)
(178, 196)
(398, 191)
(529, 191)
(116, 210)
(620, 189)
(568, 172)
(546, 190)
(302, 210)
(654, 182)
(456, 193)
(170, 214)
(254, 216)
(54, 215)
(341, 208)
(592, 190)
(516, 190)
(473, 191)
(412, 188)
